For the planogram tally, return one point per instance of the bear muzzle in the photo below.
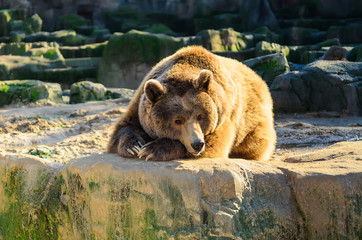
(198, 145)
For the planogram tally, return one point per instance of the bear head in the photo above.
(180, 110)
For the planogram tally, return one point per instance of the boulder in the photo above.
(46, 52)
(128, 57)
(64, 72)
(85, 91)
(269, 66)
(65, 37)
(220, 40)
(264, 48)
(33, 24)
(71, 22)
(312, 196)
(8, 15)
(160, 28)
(114, 93)
(320, 86)
(355, 54)
(87, 50)
(27, 91)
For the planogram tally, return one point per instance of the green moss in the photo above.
(30, 213)
(71, 21)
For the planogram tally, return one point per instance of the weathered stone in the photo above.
(49, 53)
(27, 91)
(32, 24)
(6, 16)
(264, 48)
(65, 37)
(310, 56)
(88, 50)
(104, 196)
(355, 54)
(320, 86)
(71, 21)
(221, 40)
(85, 91)
(64, 72)
(17, 36)
(269, 66)
(160, 28)
(129, 57)
(120, 93)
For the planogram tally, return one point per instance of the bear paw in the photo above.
(162, 150)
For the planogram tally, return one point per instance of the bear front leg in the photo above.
(163, 149)
(127, 142)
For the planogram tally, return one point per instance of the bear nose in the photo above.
(198, 145)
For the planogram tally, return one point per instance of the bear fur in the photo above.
(197, 104)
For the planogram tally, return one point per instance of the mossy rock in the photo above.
(68, 38)
(88, 50)
(71, 21)
(160, 28)
(264, 48)
(269, 67)
(6, 16)
(219, 21)
(222, 40)
(33, 24)
(27, 91)
(128, 57)
(64, 72)
(267, 34)
(14, 48)
(355, 55)
(37, 37)
(46, 52)
(85, 91)
(17, 36)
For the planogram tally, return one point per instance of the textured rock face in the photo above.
(84, 91)
(129, 57)
(322, 85)
(254, 13)
(27, 91)
(314, 196)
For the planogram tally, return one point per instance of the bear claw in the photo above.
(149, 157)
(130, 151)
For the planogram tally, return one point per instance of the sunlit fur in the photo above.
(214, 99)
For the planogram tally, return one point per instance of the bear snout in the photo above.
(198, 145)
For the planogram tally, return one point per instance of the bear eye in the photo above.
(178, 122)
(199, 117)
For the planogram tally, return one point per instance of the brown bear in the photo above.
(197, 104)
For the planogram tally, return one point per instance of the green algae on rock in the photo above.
(27, 91)
(85, 91)
(268, 67)
(128, 57)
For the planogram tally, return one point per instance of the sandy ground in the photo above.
(64, 132)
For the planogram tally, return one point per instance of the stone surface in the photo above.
(311, 196)
(87, 50)
(320, 86)
(127, 58)
(64, 72)
(269, 66)
(85, 91)
(221, 40)
(26, 91)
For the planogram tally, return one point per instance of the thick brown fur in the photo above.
(197, 104)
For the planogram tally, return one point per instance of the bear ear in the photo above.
(203, 81)
(153, 90)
